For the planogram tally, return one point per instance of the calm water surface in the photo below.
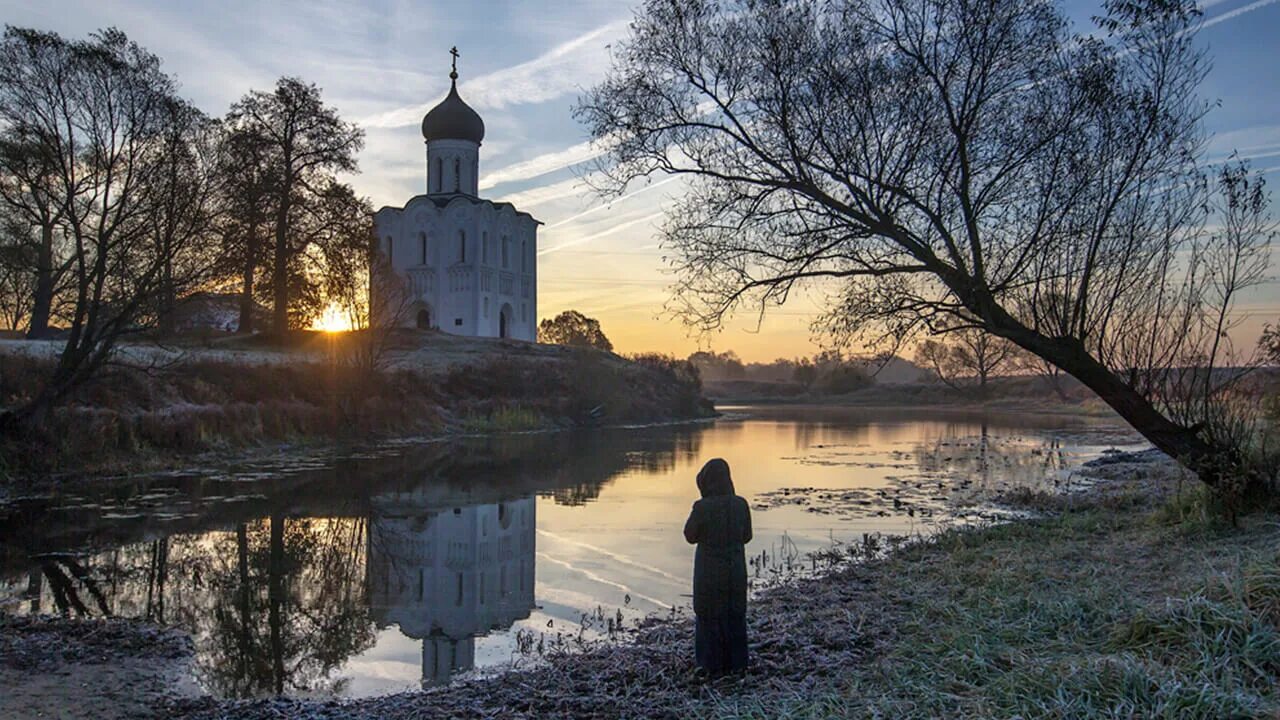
(403, 566)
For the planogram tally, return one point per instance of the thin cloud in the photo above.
(562, 70)
(606, 206)
(573, 187)
(589, 238)
(542, 164)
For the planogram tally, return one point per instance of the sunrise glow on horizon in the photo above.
(334, 319)
(383, 64)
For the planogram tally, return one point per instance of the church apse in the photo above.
(445, 575)
(469, 262)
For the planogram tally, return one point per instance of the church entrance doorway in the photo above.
(504, 322)
(424, 319)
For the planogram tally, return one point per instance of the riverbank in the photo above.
(1129, 599)
(1030, 394)
(103, 669)
(167, 406)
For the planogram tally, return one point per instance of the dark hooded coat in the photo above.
(720, 525)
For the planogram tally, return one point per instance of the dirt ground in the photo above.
(90, 670)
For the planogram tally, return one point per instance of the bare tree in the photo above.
(185, 203)
(389, 306)
(1050, 374)
(303, 142)
(333, 231)
(99, 111)
(941, 163)
(248, 185)
(30, 185)
(17, 281)
(966, 358)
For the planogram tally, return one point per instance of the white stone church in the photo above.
(465, 265)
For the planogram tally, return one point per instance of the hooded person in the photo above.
(720, 525)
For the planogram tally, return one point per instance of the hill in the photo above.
(164, 402)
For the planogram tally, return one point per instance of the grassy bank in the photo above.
(1007, 394)
(164, 407)
(1131, 602)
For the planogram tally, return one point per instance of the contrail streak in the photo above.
(628, 196)
(602, 233)
(1237, 12)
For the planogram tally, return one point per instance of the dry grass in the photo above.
(134, 419)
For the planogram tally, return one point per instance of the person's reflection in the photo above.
(445, 576)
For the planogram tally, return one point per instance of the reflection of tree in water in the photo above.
(278, 603)
(288, 606)
(602, 457)
(990, 463)
(275, 606)
(145, 580)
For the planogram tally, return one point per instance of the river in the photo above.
(404, 565)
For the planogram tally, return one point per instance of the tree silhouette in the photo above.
(573, 328)
(966, 357)
(98, 143)
(936, 163)
(302, 143)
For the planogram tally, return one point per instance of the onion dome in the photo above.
(453, 119)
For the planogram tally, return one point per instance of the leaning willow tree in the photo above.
(945, 164)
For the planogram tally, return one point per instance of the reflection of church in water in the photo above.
(446, 575)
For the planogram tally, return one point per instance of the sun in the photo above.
(333, 320)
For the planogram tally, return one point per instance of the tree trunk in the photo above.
(168, 297)
(42, 302)
(246, 289)
(275, 602)
(1178, 442)
(244, 640)
(280, 272)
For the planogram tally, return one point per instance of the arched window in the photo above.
(423, 238)
(462, 246)
(390, 247)
(439, 174)
(457, 174)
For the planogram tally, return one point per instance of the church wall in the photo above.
(499, 271)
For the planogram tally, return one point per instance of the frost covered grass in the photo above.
(1101, 612)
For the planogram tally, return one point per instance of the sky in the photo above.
(523, 64)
